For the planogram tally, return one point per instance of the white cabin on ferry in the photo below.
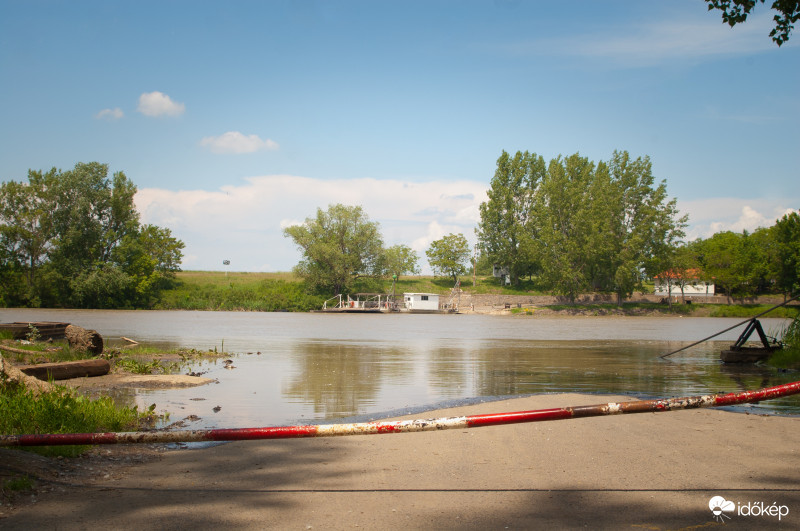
(421, 302)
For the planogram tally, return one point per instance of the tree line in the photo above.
(73, 239)
(743, 264)
(570, 225)
(576, 225)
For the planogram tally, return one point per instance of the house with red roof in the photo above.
(686, 283)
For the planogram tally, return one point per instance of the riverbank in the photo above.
(654, 471)
(219, 291)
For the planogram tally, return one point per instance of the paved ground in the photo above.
(645, 471)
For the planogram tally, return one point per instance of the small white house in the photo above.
(421, 302)
(692, 282)
(503, 273)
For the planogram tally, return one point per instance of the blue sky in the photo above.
(236, 119)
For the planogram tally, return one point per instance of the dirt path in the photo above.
(647, 471)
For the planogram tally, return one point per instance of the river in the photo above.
(306, 368)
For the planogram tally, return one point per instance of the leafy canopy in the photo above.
(735, 12)
(338, 245)
(449, 255)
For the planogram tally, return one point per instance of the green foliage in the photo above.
(789, 356)
(142, 367)
(787, 12)
(338, 245)
(786, 233)
(73, 239)
(503, 230)
(578, 225)
(449, 255)
(401, 260)
(733, 261)
(18, 483)
(750, 310)
(240, 291)
(60, 411)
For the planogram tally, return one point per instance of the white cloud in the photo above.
(159, 104)
(709, 216)
(237, 143)
(110, 114)
(244, 223)
(650, 43)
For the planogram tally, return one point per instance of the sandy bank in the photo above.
(653, 471)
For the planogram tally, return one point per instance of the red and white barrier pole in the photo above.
(400, 426)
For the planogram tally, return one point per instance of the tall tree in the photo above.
(93, 214)
(449, 255)
(562, 218)
(787, 236)
(504, 231)
(338, 245)
(26, 221)
(647, 226)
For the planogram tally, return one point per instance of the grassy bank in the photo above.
(216, 290)
(61, 410)
(268, 292)
(263, 292)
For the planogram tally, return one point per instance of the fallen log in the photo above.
(16, 350)
(85, 340)
(67, 369)
(44, 330)
(13, 374)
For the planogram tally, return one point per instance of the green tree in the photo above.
(150, 257)
(647, 226)
(93, 214)
(26, 222)
(65, 232)
(401, 260)
(787, 238)
(732, 260)
(735, 12)
(338, 245)
(504, 231)
(449, 255)
(562, 218)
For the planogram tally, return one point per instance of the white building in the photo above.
(691, 280)
(421, 302)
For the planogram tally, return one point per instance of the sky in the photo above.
(238, 119)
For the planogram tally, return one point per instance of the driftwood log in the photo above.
(67, 369)
(13, 374)
(86, 340)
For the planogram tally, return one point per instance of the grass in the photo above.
(266, 292)
(751, 310)
(631, 308)
(18, 483)
(61, 410)
(789, 356)
(214, 290)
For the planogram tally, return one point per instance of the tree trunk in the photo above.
(66, 370)
(82, 339)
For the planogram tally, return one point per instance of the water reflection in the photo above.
(339, 378)
(318, 368)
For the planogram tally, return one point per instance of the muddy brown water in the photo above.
(292, 368)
